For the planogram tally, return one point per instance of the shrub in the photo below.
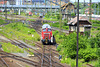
(95, 21)
(69, 44)
(55, 32)
(98, 28)
(88, 54)
(72, 14)
(73, 64)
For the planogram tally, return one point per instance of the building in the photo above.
(67, 9)
(84, 25)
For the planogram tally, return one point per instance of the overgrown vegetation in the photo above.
(52, 17)
(95, 23)
(88, 48)
(2, 22)
(19, 31)
(10, 48)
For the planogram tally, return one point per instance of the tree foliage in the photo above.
(87, 46)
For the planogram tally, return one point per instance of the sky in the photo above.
(85, 0)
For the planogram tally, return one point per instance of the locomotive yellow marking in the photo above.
(46, 40)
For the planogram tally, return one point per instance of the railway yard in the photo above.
(21, 45)
(43, 55)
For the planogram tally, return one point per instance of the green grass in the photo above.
(33, 16)
(30, 20)
(20, 31)
(72, 62)
(50, 19)
(2, 22)
(10, 48)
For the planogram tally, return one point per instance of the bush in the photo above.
(87, 47)
(88, 53)
(55, 32)
(95, 21)
(69, 44)
(72, 14)
(87, 33)
(98, 28)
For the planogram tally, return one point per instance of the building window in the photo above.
(72, 28)
(81, 29)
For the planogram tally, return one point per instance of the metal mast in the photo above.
(90, 12)
(77, 33)
(5, 9)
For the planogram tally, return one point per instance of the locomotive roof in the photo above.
(46, 26)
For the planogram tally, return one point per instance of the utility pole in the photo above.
(5, 9)
(60, 19)
(77, 33)
(90, 12)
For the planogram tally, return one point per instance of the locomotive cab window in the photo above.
(49, 29)
(44, 30)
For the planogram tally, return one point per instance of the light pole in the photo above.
(77, 33)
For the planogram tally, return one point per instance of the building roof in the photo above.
(66, 5)
(74, 21)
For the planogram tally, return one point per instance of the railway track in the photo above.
(49, 53)
(46, 57)
(31, 62)
(4, 62)
(43, 57)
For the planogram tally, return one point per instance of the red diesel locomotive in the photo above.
(46, 35)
